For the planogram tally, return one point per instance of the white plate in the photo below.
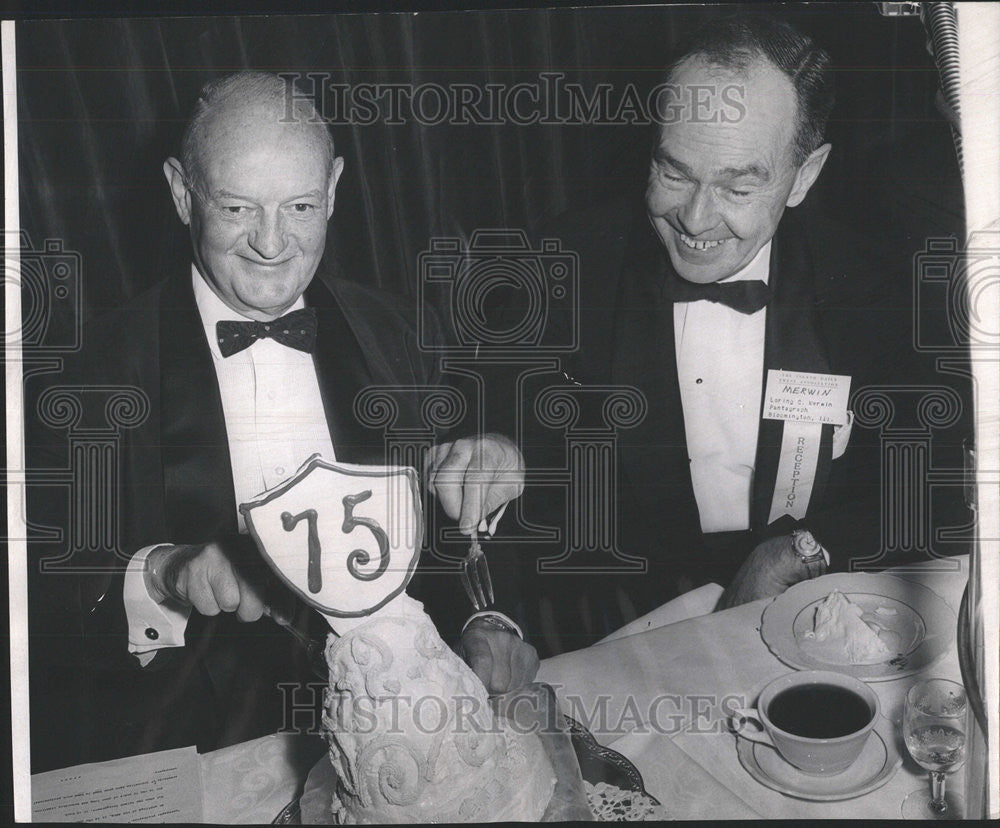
(877, 764)
(922, 625)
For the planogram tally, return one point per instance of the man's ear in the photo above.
(807, 175)
(177, 181)
(331, 187)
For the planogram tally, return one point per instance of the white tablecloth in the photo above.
(669, 687)
(655, 693)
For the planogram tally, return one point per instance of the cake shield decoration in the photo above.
(345, 538)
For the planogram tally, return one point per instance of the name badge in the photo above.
(803, 397)
(805, 401)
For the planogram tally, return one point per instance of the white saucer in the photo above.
(877, 764)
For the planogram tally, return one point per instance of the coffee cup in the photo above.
(817, 720)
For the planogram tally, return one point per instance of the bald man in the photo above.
(229, 419)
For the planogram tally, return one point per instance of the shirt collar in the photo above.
(758, 268)
(212, 309)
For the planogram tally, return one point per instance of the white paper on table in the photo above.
(153, 787)
(685, 789)
(697, 602)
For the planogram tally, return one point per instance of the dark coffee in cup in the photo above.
(817, 720)
(819, 711)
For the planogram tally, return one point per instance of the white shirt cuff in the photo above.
(151, 626)
(495, 614)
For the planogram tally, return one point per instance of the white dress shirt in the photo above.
(720, 359)
(274, 421)
(271, 403)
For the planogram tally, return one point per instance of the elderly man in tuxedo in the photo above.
(692, 293)
(250, 365)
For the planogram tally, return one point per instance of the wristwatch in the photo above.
(810, 551)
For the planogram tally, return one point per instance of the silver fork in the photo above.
(476, 576)
(475, 570)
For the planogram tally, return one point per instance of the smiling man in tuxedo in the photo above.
(716, 194)
(691, 294)
(250, 365)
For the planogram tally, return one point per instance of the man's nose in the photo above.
(267, 238)
(698, 214)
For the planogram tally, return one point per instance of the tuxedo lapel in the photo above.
(197, 471)
(654, 453)
(793, 343)
(343, 369)
(197, 474)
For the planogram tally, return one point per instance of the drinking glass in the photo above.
(969, 473)
(934, 716)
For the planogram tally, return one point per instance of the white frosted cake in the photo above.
(412, 736)
(411, 732)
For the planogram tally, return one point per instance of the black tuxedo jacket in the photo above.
(832, 312)
(90, 699)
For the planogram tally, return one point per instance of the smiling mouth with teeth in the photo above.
(699, 245)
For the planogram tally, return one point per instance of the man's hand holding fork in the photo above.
(475, 478)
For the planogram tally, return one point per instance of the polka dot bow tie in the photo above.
(296, 330)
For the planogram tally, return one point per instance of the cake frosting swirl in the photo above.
(412, 736)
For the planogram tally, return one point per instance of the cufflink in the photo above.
(152, 634)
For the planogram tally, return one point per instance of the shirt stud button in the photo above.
(152, 634)
(698, 381)
(279, 470)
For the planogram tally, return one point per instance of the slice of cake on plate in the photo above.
(838, 620)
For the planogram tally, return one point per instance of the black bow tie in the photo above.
(746, 296)
(296, 330)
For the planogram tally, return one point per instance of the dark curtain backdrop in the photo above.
(103, 102)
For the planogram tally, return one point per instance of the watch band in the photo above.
(495, 619)
(810, 551)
